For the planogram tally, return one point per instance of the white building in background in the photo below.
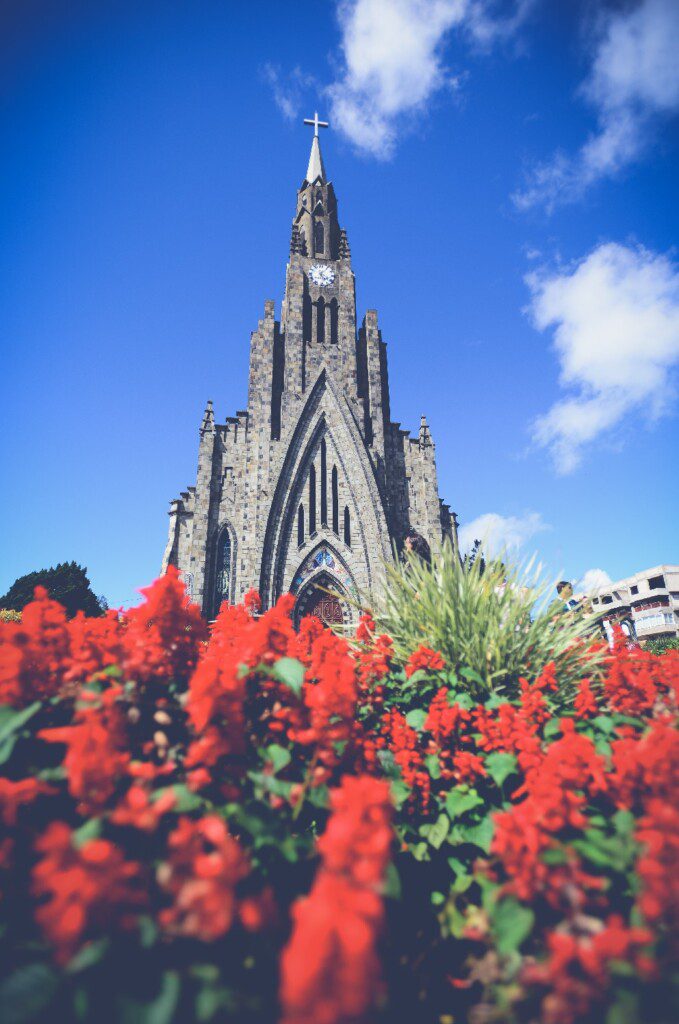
(646, 604)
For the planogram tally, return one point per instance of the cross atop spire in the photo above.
(315, 169)
(316, 123)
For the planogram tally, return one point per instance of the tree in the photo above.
(67, 583)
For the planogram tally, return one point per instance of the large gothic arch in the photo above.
(324, 569)
(325, 416)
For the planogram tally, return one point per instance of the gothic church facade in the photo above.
(312, 487)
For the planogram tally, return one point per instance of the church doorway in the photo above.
(324, 598)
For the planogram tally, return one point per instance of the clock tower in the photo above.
(312, 488)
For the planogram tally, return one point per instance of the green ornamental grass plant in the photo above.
(493, 621)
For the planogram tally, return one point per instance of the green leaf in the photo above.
(439, 831)
(437, 898)
(512, 924)
(433, 765)
(552, 728)
(458, 801)
(279, 756)
(399, 792)
(472, 675)
(604, 723)
(90, 830)
(416, 718)
(184, 799)
(290, 672)
(625, 1009)
(161, 1010)
(420, 851)
(392, 882)
(26, 993)
(11, 720)
(388, 764)
(479, 835)
(271, 784)
(500, 766)
(88, 956)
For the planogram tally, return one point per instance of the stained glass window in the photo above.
(223, 576)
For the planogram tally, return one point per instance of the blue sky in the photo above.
(506, 173)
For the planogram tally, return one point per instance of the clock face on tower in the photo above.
(321, 275)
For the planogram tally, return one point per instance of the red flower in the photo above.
(163, 635)
(97, 755)
(585, 705)
(95, 644)
(14, 794)
(204, 866)
(330, 972)
(330, 697)
(424, 659)
(657, 867)
(404, 745)
(85, 893)
(139, 811)
(33, 652)
(577, 971)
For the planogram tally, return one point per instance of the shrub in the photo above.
(67, 583)
(491, 621)
(662, 644)
(275, 825)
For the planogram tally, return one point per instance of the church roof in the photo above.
(315, 168)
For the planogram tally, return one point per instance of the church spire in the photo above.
(315, 169)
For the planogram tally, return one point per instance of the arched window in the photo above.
(335, 501)
(320, 322)
(223, 574)
(300, 526)
(319, 238)
(324, 485)
(312, 500)
(306, 316)
(332, 313)
(347, 526)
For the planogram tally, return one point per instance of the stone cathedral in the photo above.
(312, 488)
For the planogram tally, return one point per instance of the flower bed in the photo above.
(268, 825)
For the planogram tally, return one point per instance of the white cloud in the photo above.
(287, 89)
(593, 581)
(633, 83)
(392, 60)
(500, 533)
(615, 317)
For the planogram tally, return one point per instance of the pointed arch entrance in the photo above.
(322, 585)
(324, 598)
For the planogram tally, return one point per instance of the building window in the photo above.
(335, 501)
(223, 574)
(300, 526)
(347, 526)
(656, 583)
(319, 238)
(608, 599)
(320, 322)
(324, 485)
(332, 313)
(312, 501)
(634, 589)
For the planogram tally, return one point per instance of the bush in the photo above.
(269, 825)
(491, 621)
(662, 645)
(67, 583)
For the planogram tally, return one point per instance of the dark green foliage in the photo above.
(67, 583)
(662, 644)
